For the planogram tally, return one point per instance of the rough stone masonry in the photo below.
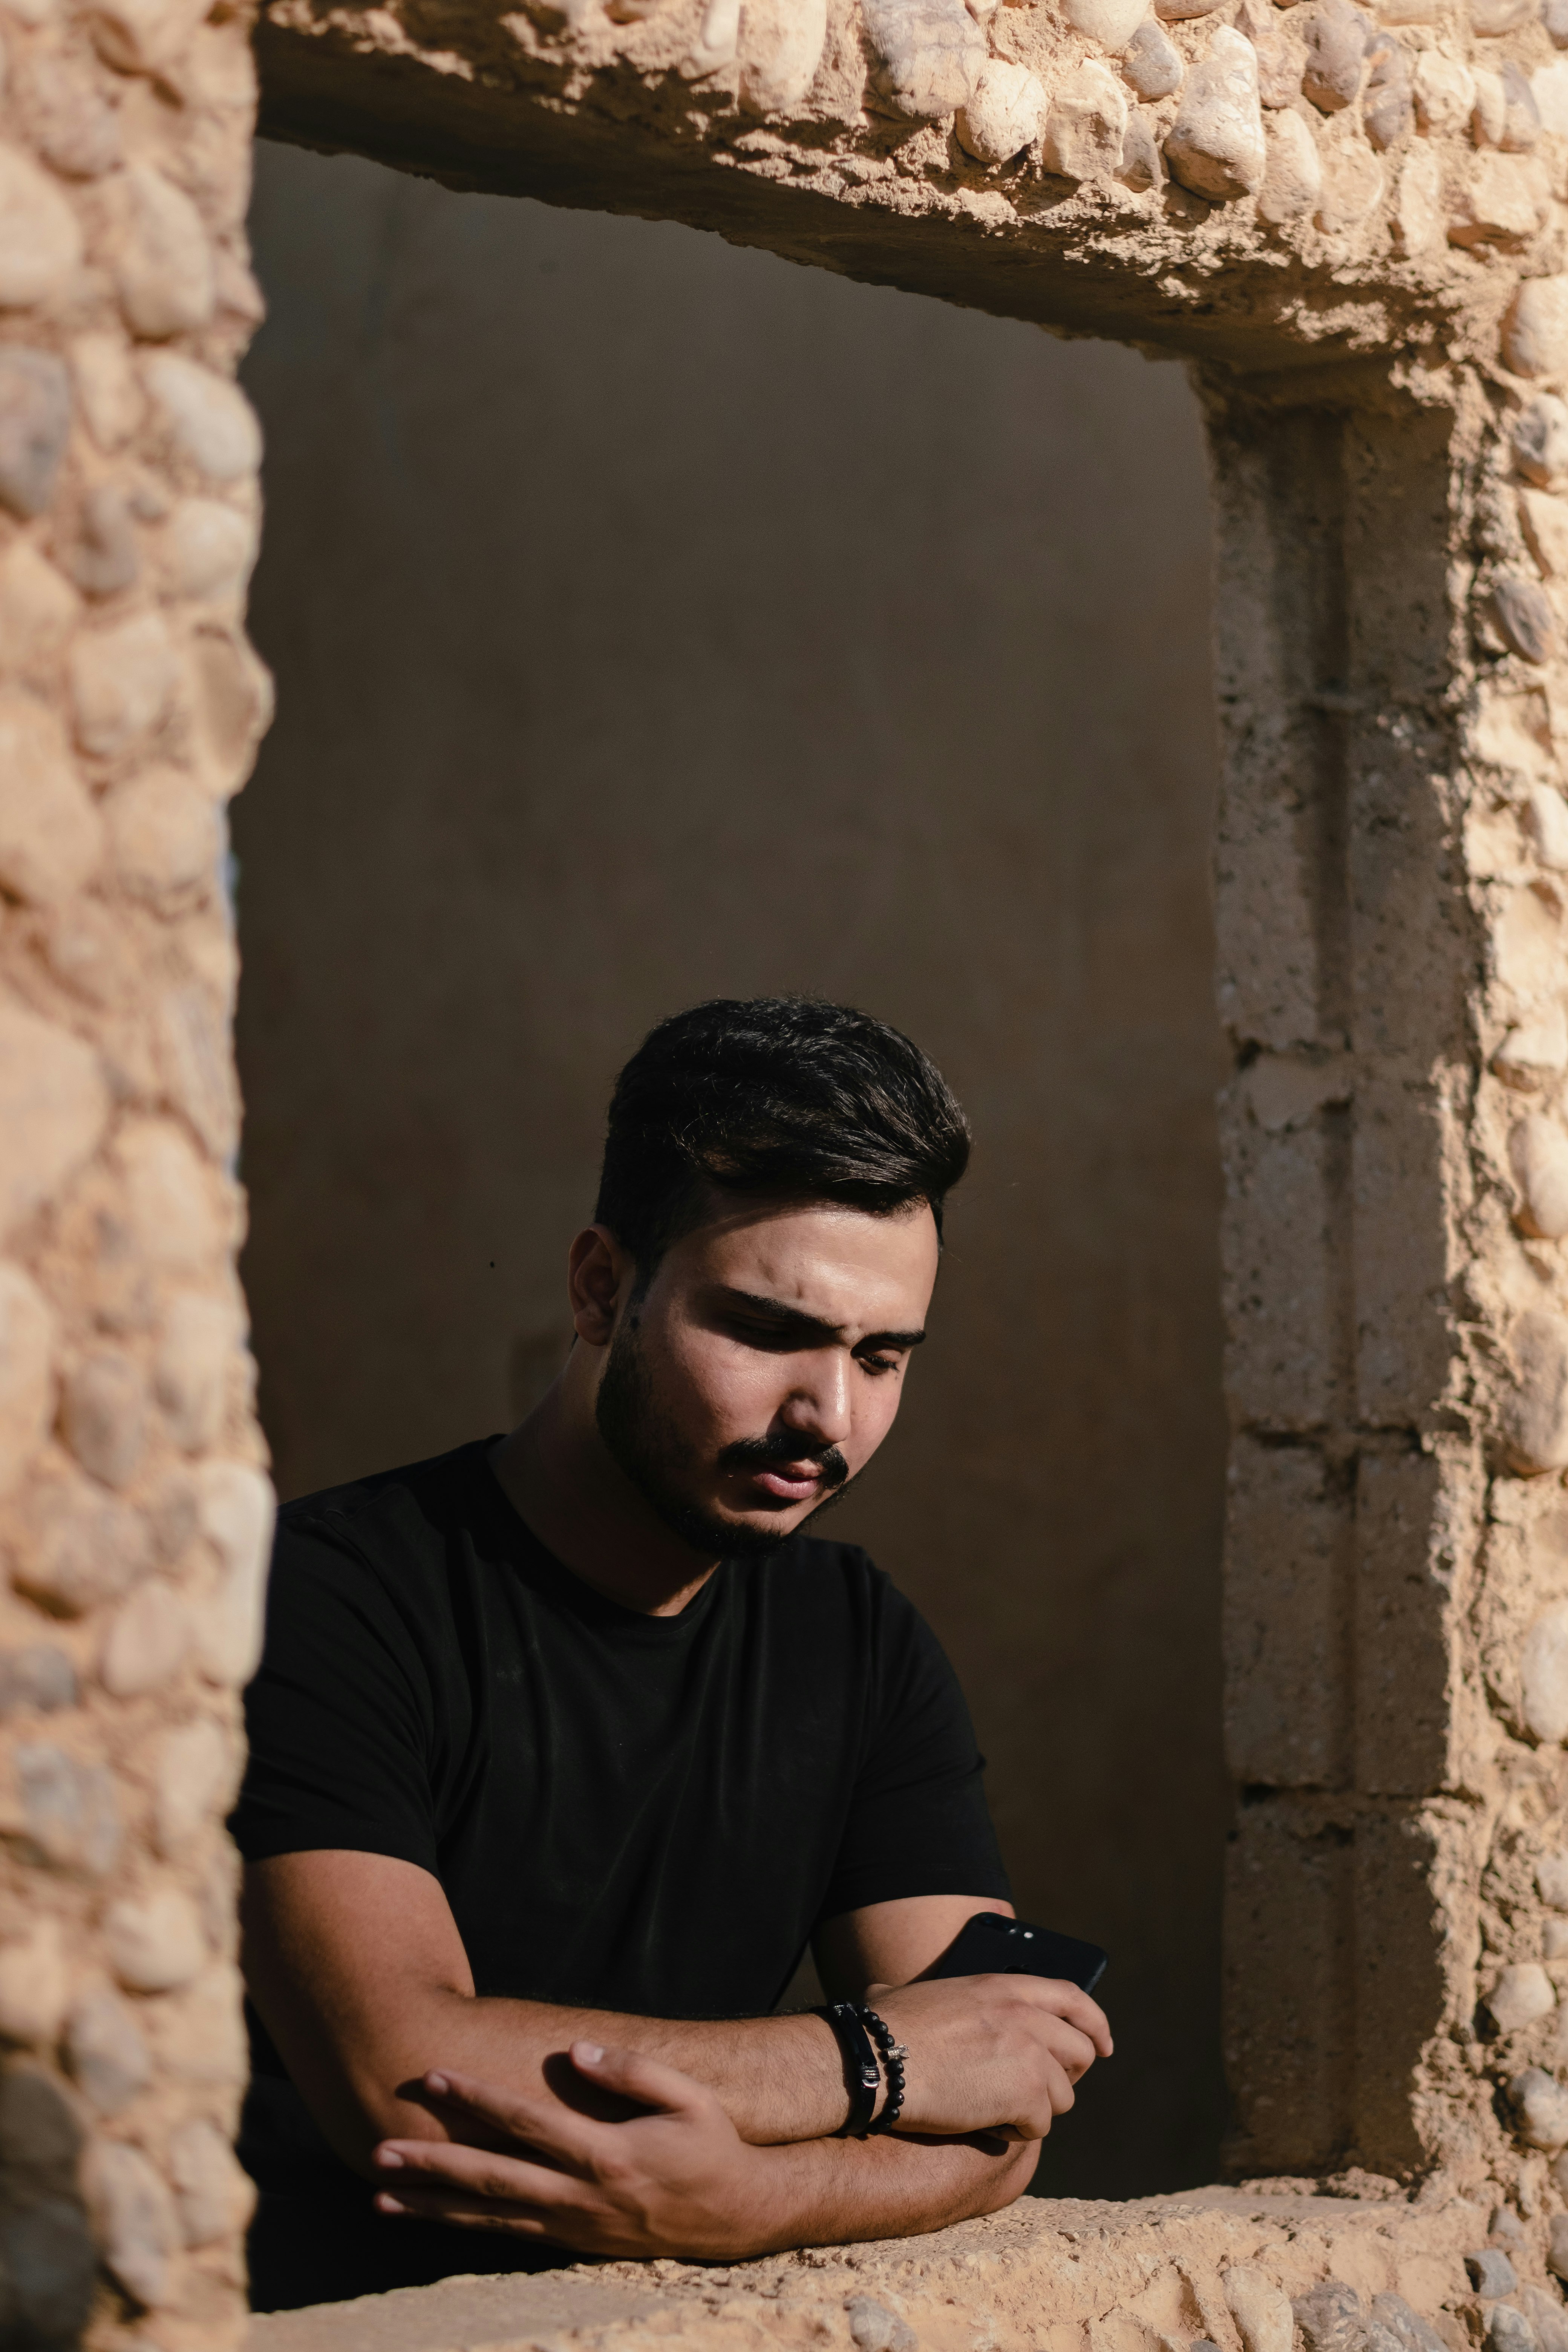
(1354, 223)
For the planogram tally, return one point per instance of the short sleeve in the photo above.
(918, 1823)
(340, 1714)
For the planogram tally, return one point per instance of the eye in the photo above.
(883, 1363)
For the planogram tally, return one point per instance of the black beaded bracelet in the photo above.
(893, 2056)
(862, 2076)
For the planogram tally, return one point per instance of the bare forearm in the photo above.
(778, 2078)
(839, 2192)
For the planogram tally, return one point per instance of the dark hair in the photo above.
(780, 1095)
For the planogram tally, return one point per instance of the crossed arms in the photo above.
(634, 2136)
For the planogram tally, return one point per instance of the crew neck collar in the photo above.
(584, 1599)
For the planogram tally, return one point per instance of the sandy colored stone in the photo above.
(111, 398)
(928, 53)
(38, 608)
(1541, 2104)
(198, 2035)
(1086, 124)
(146, 1640)
(191, 1369)
(27, 1387)
(120, 681)
(1444, 91)
(1544, 521)
(162, 262)
(78, 1547)
(40, 241)
(1538, 1149)
(163, 836)
(37, 1676)
(1524, 616)
(197, 1776)
(237, 1509)
(1293, 172)
(1337, 38)
(211, 2196)
(73, 126)
(1419, 223)
(1534, 1421)
(69, 1820)
(1549, 87)
(1260, 2309)
(35, 420)
(103, 1414)
(1540, 439)
(209, 421)
(207, 550)
(1215, 145)
(1388, 106)
(1152, 63)
(51, 839)
(53, 1108)
(171, 1210)
(106, 2051)
(1543, 1677)
(154, 1943)
(1109, 23)
(1279, 60)
(1503, 200)
(105, 558)
(1003, 114)
(1353, 184)
(780, 46)
(35, 1983)
(144, 36)
(233, 701)
(1535, 332)
(134, 2219)
(1535, 1050)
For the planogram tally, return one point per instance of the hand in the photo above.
(678, 2180)
(993, 2053)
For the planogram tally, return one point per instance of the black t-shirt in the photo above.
(631, 1813)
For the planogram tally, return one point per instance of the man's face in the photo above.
(762, 1367)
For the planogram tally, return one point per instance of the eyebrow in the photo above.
(794, 1318)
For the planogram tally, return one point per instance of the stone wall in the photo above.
(1355, 225)
(135, 1514)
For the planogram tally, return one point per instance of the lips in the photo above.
(789, 1485)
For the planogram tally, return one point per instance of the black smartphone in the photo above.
(989, 1945)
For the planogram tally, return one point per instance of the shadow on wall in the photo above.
(654, 620)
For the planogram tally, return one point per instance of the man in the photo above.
(566, 1746)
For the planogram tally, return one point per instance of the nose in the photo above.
(817, 1407)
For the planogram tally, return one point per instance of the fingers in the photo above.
(645, 2080)
(466, 2212)
(1070, 2002)
(415, 2166)
(1072, 2049)
(542, 2123)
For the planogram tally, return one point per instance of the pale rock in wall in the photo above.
(133, 1500)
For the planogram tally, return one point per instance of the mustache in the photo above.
(772, 1452)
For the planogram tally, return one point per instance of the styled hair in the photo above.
(781, 1096)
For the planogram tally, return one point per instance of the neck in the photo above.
(561, 1479)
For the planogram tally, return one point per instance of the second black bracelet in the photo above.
(893, 2056)
(862, 2076)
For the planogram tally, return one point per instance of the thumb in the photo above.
(641, 2079)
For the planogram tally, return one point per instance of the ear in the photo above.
(599, 1274)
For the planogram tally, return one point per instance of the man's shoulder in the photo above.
(419, 1503)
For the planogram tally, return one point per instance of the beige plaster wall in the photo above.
(653, 620)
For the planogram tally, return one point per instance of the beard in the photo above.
(645, 1444)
